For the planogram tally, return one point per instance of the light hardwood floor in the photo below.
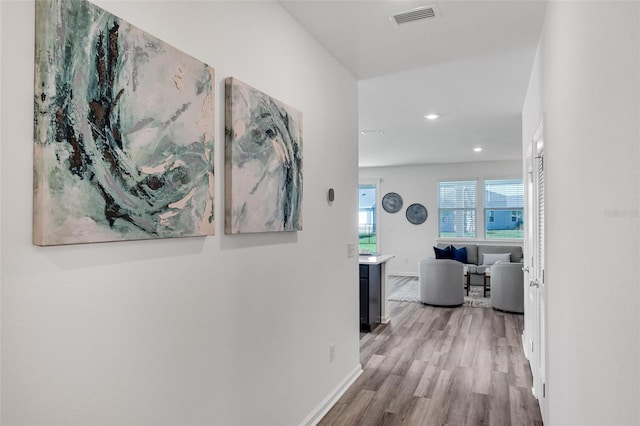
(441, 366)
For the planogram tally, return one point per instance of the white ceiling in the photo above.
(471, 64)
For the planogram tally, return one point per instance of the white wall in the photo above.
(419, 184)
(532, 108)
(590, 54)
(217, 330)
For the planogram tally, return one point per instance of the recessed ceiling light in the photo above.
(478, 149)
(367, 132)
(431, 116)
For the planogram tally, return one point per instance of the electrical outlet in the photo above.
(332, 352)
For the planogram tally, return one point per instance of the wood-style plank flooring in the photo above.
(441, 366)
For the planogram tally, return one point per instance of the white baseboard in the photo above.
(404, 274)
(323, 408)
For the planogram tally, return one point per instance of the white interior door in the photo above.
(530, 311)
(535, 320)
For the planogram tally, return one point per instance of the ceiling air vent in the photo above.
(418, 14)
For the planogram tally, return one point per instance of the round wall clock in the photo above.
(392, 202)
(416, 213)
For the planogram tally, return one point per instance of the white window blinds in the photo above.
(457, 209)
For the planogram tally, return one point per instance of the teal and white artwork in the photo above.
(263, 162)
(124, 131)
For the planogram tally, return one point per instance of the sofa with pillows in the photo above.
(478, 257)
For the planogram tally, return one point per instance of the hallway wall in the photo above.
(216, 330)
(588, 96)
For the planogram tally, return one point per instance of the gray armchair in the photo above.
(441, 282)
(507, 287)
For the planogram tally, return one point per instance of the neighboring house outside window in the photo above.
(504, 209)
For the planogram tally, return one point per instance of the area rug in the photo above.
(409, 291)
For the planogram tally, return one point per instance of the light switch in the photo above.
(351, 249)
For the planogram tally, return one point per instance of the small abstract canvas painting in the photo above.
(263, 164)
(123, 131)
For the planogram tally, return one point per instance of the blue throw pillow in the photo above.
(442, 253)
(459, 254)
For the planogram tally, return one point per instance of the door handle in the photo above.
(533, 283)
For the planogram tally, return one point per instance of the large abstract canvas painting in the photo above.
(263, 164)
(123, 131)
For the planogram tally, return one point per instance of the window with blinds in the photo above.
(457, 209)
(503, 209)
